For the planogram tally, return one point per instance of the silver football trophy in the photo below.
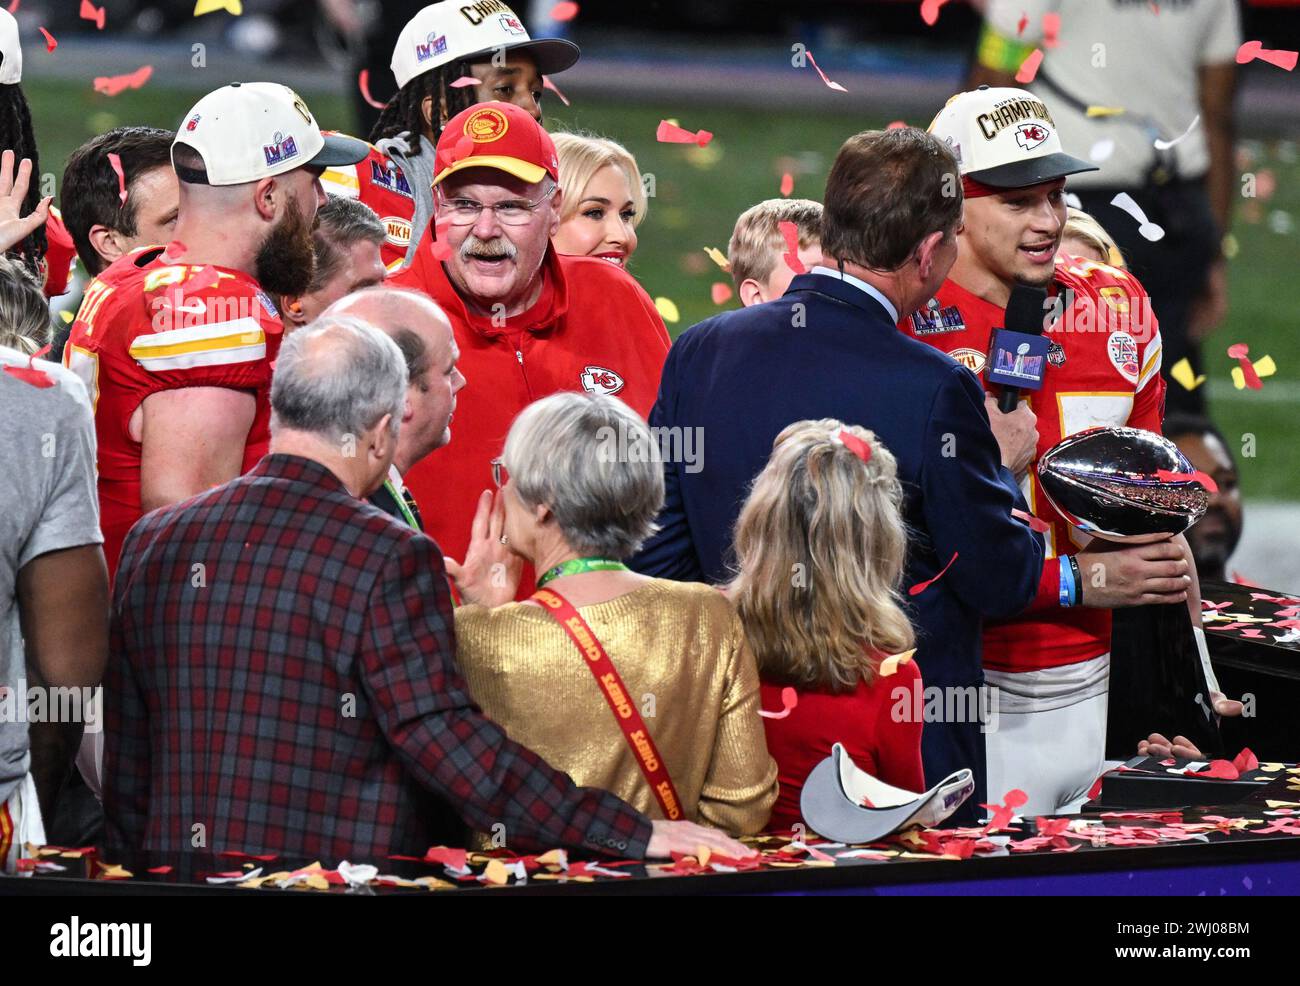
(1108, 483)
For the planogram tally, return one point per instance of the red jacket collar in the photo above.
(550, 306)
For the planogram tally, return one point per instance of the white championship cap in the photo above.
(11, 51)
(1004, 138)
(247, 131)
(846, 804)
(450, 31)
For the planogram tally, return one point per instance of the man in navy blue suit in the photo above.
(830, 348)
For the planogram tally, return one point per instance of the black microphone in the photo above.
(1017, 353)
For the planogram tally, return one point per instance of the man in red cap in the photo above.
(528, 322)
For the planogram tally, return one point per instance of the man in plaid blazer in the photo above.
(283, 672)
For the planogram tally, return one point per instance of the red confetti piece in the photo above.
(855, 444)
(1051, 826)
(441, 248)
(1280, 57)
(1022, 24)
(1220, 769)
(1003, 813)
(790, 232)
(1051, 30)
(787, 183)
(29, 373)
(897, 125)
(363, 83)
(455, 858)
(829, 84)
(789, 699)
(1239, 351)
(1168, 476)
(1029, 67)
(176, 249)
(1240, 579)
(159, 869)
(930, 11)
(920, 587)
(13, 7)
(548, 84)
(669, 133)
(237, 854)
(89, 12)
(464, 82)
(564, 11)
(1035, 523)
(50, 43)
(720, 292)
(111, 85)
(115, 162)
(1095, 789)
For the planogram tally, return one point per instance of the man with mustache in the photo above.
(528, 321)
(175, 344)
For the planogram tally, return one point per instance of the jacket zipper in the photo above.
(519, 355)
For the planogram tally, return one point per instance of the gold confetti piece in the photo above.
(67, 317)
(496, 873)
(718, 258)
(1264, 367)
(433, 883)
(113, 872)
(667, 310)
(72, 854)
(1105, 110)
(316, 882)
(703, 854)
(1271, 768)
(1248, 618)
(202, 7)
(556, 857)
(1283, 804)
(1183, 373)
(890, 664)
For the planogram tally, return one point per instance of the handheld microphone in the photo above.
(1018, 352)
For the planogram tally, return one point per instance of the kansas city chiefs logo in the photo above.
(598, 380)
(1030, 135)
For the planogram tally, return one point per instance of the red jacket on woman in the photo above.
(876, 723)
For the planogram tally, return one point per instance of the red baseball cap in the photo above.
(496, 135)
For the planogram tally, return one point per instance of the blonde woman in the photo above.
(819, 546)
(1084, 237)
(24, 311)
(603, 198)
(578, 492)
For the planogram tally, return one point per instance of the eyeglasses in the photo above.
(499, 474)
(465, 212)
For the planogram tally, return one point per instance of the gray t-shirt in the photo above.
(47, 503)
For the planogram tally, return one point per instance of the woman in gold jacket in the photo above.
(579, 486)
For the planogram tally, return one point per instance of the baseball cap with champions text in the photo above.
(248, 131)
(1004, 138)
(451, 31)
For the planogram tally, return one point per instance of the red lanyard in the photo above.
(611, 686)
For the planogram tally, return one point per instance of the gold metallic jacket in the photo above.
(681, 653)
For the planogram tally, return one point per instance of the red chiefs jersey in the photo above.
(592, 329)
(60, 255)
(1103, 370)
(135, 336)
(379, 183)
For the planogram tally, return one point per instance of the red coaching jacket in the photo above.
(592, 329)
